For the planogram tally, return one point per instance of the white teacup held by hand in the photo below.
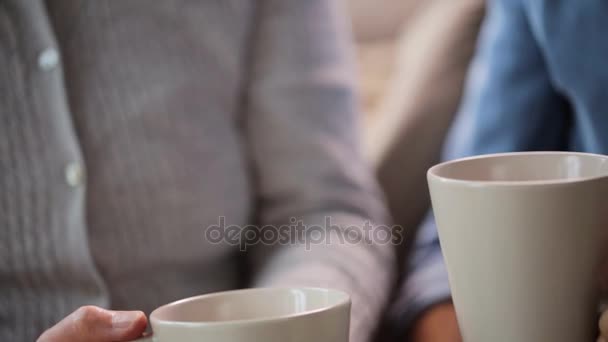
(522, 236)
(255, 315)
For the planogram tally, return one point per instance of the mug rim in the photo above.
(345, 301)
(432, 173)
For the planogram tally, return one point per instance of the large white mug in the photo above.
(255, 315)
(522, 238)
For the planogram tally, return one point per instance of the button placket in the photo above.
(48, 59)
(74, 174)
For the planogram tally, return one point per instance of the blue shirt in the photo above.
(539, 81)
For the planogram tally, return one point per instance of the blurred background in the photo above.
(412, 58)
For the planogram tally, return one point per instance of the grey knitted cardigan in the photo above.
(178, 112)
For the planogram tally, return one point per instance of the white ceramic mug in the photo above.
(255, 315)
(522, 237)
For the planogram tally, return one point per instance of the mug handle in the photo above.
(149, 337)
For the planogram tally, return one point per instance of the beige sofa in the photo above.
(413, 61)
(413, 58)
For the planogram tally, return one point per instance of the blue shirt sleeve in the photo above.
(509, 105)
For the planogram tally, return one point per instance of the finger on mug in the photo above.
(93, 324)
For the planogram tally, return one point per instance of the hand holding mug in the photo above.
(438, 323)
(93, 324)
(522, 236)
(254, 315)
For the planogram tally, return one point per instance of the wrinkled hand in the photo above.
(438, 324)
(93, 324)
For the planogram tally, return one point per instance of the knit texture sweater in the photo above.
(129, 127)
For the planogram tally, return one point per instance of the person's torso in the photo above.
(572, 37)
(145, 99)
